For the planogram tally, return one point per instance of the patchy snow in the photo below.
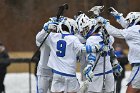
(19, 82)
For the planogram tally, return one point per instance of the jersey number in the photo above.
(61, 47)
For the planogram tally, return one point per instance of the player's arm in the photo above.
(82, 48)
(91, 58)
(113, 31)
(117, 69)
(47, 28)
(119, 17)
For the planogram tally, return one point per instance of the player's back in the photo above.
(64, 49)
(132, 37)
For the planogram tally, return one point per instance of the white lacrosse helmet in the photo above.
(69, 24)
(83, 22)
(133, 18)
(94, 25)
(86, 26)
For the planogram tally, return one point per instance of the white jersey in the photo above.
(96, 40)
(42, 68)
(64, 49)
(132, 38)
(82, 40)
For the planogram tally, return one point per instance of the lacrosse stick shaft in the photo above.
(104, 64)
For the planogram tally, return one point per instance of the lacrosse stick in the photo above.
(60, 12)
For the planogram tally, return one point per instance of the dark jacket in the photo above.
(4, 61)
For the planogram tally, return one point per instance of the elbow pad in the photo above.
(88, 49)
(91, 58)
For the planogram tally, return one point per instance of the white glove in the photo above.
(115, 13)
(100, 47)
(50, 26)
(102, 20)
(117, 69)
(88, 72)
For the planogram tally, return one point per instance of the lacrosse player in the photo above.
(131, 34)
(84, 24)
(44, 73)
(82, 20)
(96, 77)
(64, 48)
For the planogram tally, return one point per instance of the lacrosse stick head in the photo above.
(96, 10)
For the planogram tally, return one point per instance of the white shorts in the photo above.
(134, 78)
(64, 83)
(97, 84)
(43, 84)
(44, 72)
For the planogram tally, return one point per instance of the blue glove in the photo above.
(88, 72)
(117, 69)
(50, 26)
(115, 13)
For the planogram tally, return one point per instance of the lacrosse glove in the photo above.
(102, 20)
(117, 69)
(88, 72)
(50, 27)
(115, 13)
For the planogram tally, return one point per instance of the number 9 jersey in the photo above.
(64, 49)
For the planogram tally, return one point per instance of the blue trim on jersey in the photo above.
(72, 30)
(96, 35)
(99, 74)
(134, 76)
(63, 35)
(88, 49)
(90, 32)
(63, 74)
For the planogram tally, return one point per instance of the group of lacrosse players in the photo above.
(89, 39)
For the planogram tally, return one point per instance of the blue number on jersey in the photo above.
(61, 47)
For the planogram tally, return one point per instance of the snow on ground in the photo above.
(19, 82)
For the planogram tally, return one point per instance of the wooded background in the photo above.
(20, 20)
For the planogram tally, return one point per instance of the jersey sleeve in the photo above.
(118, 33)
(77, 45)
(40, 37)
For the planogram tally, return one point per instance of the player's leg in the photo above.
(58, 84)
(132, 90)
(134, 81)
(110, 83)
(43, 84)
(95, 85)
(72, 85)
(2, 87)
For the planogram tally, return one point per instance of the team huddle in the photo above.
(89, 40)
